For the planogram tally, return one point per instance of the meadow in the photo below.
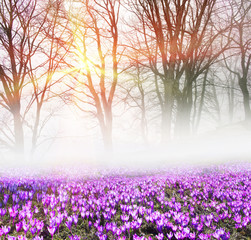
(196, 203)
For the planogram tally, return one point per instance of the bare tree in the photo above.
(241, 50)
(135, 94)
(181, 43)
(96, 52)
(46, 77)
(161, 57)
(28, 56)
(17, 38)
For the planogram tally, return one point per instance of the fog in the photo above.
(230, 144)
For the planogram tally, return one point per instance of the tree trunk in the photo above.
(231, 99)
(18, 130)
(167, 112)
(245, 93)
(105, 122)
(217, 104)
(201, 102)
(35, 131)
(185, 105)
(144, 125)
(183, 119)
(107, 138)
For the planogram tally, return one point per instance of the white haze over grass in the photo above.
(230, 144)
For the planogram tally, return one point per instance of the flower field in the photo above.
(211, 203)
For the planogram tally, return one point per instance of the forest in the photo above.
(158, 69)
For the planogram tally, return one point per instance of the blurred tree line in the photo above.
(168, 65)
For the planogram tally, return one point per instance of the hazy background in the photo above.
(100, 84)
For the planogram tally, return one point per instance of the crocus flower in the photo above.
(219, 233)
(46, 211)
(103, 237)
(19, 226)
(22, 215)
(160, 236)
(113, 212)
(89, 224)
(203, 236)
(33, 222)
(52, 214)
(68, 224)
(2, 211)
(100, 228)
(52, 230)
(75, 219)
(36, 209)
(29, 215)
(6, 197)
(25, 227)
(74, 208)
(178, 235)
(33, 230)
(59, 219)
(12, 212)
(6, 229)
(169, 235)
(118, 232)
(192, 235)
(39, 226)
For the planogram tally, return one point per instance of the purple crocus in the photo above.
(33, 230)
(127, 225)
(5, 230)
(19, 226)
(192, 235)
(203, 236)
(52, 214)
(169, 235)
(68, 224)
(103, 237)
(100, 228)
(2, 211)
(160, 236)
(25, 226)
(118, 232)
(13, 212)
(39, 226)
(33, 222)
(75, 219)
(29, 215)
(46, 211)
(89, 224)
(178, 235)
(220, 234)
(5, 200)
(52, 230)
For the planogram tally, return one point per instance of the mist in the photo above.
(94, 84)
(75, 155)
